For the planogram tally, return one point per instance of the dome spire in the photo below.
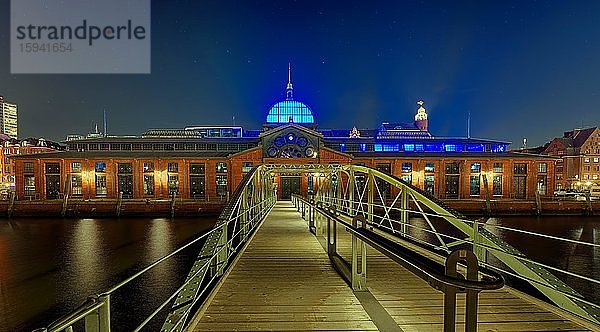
(289, 91)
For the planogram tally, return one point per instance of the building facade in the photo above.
(203, 162)
(8, 118)
(12, 147)
(579, 164)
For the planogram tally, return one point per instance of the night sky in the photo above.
(523, 69)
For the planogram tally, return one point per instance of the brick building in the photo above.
(14, 147)
(90, 173)
(579, 150)
(207, 162)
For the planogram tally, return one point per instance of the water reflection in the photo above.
(84, 266)
(50, 265)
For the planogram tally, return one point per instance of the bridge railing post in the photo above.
(470, 260)
(351, 184)
(404, 211)
(318, 219)
(478, 249)
(220, 259)
(99, 319)
(332, 233)
(311, 217)
(370, 194)
(359, 257)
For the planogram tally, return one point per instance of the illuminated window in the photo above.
(76, 167)
(475, 168)
(197, 180)
(475, 147)
(246, 166)
(221, 167)
(498, 148)
(409, 147)
(475, 186)
(173, 184)
(429, 184)
(406, 178)
(76, 185)
(387, 147)
(542, 184)
(520, 169)
(221, 185)
(173, 167)
(434, 147)
(498, 167)
(29, 181)
(429, 167)
(148, 167)
(148, 185)
(406, 167)
(100, 167)
(125, 179)
(497, 185)
(452, 147)
(542, 168)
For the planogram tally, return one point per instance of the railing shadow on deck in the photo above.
(442, 277)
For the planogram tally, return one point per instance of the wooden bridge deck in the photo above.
(285, 281)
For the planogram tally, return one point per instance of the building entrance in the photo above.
(290, 185)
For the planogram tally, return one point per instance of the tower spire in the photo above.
(289, 91)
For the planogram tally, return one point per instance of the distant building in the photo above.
(8, 118)
(579, 150)
(209, 161)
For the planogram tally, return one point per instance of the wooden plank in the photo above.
(284, 281)
(287, 326)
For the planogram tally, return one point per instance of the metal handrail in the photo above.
(357, 190)
(231, 214)
(552, 237)
(420, 265)
(470, 241)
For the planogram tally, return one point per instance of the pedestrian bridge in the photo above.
(365, 252)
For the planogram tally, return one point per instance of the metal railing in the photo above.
(443, 277)
(248, 206)
(402, 210)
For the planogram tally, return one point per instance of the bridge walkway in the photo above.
(285, 281)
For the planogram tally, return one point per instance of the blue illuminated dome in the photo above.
(290, 110)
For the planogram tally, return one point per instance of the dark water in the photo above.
(577, 258)
(50, 265)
